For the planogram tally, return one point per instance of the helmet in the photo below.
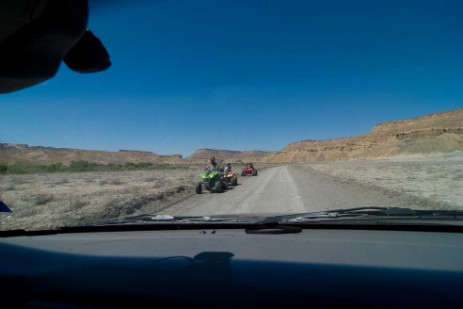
(212, 159)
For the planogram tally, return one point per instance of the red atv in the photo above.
(249, 169)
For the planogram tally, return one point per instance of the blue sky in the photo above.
(246, 75)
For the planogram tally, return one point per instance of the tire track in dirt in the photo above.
(290, 189)
(272, 191)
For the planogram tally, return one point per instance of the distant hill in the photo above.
(228, 155)
(10, 153)
(438, 133)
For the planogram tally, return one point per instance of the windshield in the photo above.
(242, 107)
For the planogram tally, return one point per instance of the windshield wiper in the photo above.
(366, 212)
(147, 218)
(348, 213)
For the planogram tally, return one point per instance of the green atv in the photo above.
(211, 181)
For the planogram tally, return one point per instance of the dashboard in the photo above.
(230, 268)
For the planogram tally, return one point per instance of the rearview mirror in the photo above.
(34, 39)
(88, 55)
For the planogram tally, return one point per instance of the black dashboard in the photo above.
(229, 268)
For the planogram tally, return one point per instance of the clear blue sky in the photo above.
(246, 75)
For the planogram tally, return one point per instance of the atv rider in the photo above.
(227, 169)
(212, 165)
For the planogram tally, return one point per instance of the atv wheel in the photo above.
(199, 188)
(234, 181)
(207, 186)
(224, 185)
(254, 173)
(218, 187)
(243, 174)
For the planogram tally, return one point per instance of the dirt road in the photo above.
(291, 189)
(49, 200)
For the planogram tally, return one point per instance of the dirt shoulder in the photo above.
(49, 200)
(434, 182)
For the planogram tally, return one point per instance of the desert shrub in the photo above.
(81, 166)
(19, 168)
(77, 204)
(111, 182)
(55, 167)
(457, 176)
(9, 187)
(115, 182)
(62, 181)
(42, 199)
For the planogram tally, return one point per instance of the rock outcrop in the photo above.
(202, 155)
(436, 133)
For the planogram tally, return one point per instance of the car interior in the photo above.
(202, 264)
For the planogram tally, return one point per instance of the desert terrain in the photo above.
(50, 200)
(433, 134)
(421, 183)
(415, 163)
(437, 180)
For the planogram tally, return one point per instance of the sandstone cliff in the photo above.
(431, 134)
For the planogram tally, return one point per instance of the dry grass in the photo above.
(42, 199)
(49, 200)
(114, 182)
(76, 204)
(9, 187)
(62, 181)
(439, 179)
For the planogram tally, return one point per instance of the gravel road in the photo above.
(292, 189)
(49, 200)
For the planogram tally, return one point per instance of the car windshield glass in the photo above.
(238, 108)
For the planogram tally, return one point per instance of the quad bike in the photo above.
(230, 178)
(249, 169)
(211, 181)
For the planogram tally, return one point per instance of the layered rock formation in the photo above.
(431, 134)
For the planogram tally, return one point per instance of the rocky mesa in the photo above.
(228, 155)
(11, 153)
(436, 133)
